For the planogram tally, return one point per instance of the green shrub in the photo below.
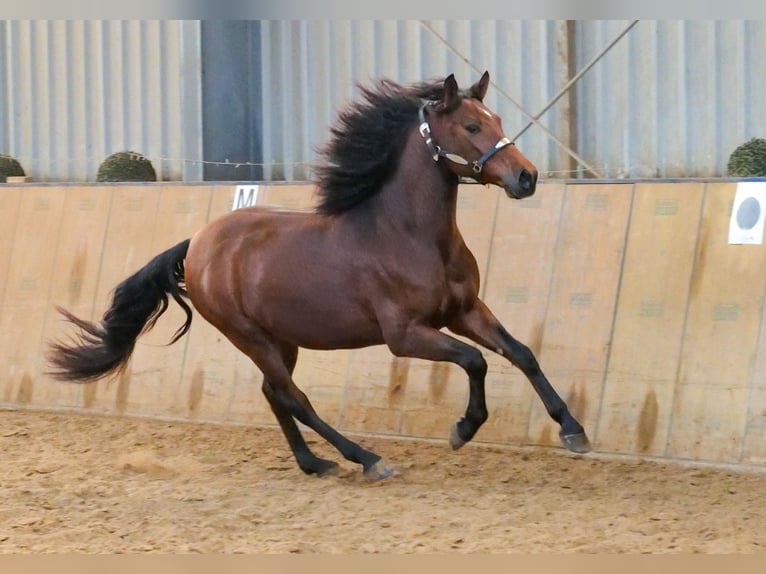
(748, 160)
(126, 166)
(9, 167)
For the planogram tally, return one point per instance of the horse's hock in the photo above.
(643, 316)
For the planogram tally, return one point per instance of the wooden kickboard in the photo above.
(211, 363)
(27, 290)
(720, 339)
(287, 196)
(322, 376)
(578, 325)
(73, 282)
(155, 387)
(127, 247)
(375, 386)
(10, 200)
(754, 444)
(477, 207)
(516, 290)
(702, 295)
(650, 315)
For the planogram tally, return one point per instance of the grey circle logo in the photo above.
(748, 213)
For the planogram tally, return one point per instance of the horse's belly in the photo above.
(314, 326)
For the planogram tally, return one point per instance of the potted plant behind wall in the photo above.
(748, 160)
(126, 166)
(10, 167)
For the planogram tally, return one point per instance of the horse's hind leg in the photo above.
(290, 401)
(297, 403)
(307, 460)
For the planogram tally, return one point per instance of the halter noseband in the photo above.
(437, 152)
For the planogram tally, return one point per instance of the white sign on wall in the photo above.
(748, 214)
(244, 196)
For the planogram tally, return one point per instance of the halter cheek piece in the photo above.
(437, 152)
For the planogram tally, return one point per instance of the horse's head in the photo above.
(461, 131)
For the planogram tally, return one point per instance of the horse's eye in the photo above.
(472, 128)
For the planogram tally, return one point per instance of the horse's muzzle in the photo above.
(521, 187)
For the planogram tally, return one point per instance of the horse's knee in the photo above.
(473, 363)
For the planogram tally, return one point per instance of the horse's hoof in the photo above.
(578, 442)
(378, 471)
(454, 438)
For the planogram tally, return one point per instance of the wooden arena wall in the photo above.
(641, 314)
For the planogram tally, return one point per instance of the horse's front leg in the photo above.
(425, 342)
(481, 326)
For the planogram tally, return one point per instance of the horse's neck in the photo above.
(421, 197)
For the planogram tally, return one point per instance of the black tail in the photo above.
(104, 348)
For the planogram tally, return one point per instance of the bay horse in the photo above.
(379, 261)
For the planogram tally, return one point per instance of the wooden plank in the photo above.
(74, 279)
(477, 207)
(322, 376)
(127, 247)
(299, 197)
(650, 315)
(754, 445)
(578, 325)
(26, 298)
(10, 200)
(517, 286)
(212, 365)
(155, 387)
(374, 390)
(720, 339)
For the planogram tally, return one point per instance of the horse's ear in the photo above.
(479, 89)
(450, 92)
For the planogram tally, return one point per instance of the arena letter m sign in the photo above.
(244, 196)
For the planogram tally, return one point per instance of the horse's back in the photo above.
(245, 237)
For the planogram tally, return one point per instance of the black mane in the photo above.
(366, 142)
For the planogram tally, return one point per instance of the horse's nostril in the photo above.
(526, 180)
